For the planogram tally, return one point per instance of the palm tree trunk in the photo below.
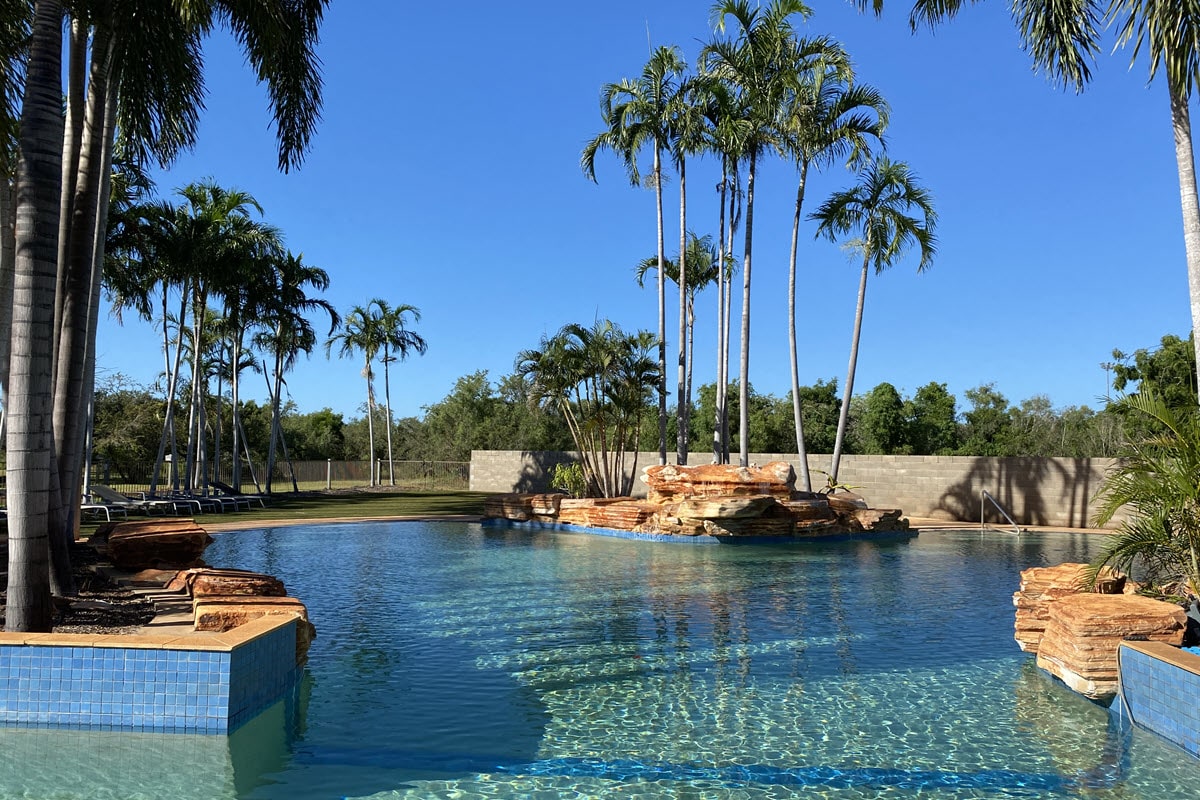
(77, 282)
(1181, 125)
(718, 444)
(728, 326)
(387, 402)
(681, 433)
(237, 435)
(370, 421)
(77, 68)
(844, 415)
(744, 367)
(30, 441)
(8, 254)
(662, 312)
(172, 388)
(691, 344)
(801, 451)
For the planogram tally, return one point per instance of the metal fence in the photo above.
(449, 476)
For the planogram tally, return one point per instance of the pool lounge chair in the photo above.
(112, 497)
(227, 491)
(102, 508)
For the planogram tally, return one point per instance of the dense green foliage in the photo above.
(1158, 483)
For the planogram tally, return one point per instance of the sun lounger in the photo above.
(112, 497)
(103, 508)
(227, 491)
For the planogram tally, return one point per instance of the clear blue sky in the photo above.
(446, 175)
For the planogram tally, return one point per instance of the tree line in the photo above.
(480, 413)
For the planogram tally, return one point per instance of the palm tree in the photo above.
(638, 114)
(759, 63)
(287, 332)
(29, 447)
(397, 341)
(826, 119)
(878, 210)
(1157, 481)
(1065, 38)
(687, 129)
(360, 333)
(726, 133)
(702, 264)
(599, 379)
(147, 64)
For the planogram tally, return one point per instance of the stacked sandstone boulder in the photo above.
(153, 543)
(1076, 633)
(714, 500)
(223, 599)
(169, 552)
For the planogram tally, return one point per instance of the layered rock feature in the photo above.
(1041, 586)
(1084, 631)
(223, 613)
(712, 500)
(153, 543)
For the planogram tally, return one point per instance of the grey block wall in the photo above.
(1036, 491)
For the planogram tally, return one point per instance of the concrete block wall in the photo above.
(1035, 491)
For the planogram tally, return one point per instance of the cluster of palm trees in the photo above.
(759, 89)
(210, 248)
(378, 330)
(599, 379)
(134, 69)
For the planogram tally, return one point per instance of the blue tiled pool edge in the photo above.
(560, 527)
(1159, 688)
(84, 681)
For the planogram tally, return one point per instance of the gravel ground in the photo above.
(101, 605)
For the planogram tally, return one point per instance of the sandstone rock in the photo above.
(514, 507)
(670, 483)
(724, 507)
(880, 519)
(152, 577)
(1083, 631)
(810, 507)
(604, 512)
(545, 504)
(228, 582)
(215, 613)
(166, 543)
(846, 502)
(1041, 586)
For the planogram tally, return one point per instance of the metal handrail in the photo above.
(984, 497)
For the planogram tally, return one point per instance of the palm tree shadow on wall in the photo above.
(537, 469)
(1020, 485)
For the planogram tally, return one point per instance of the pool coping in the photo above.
(701, 539)
(195, 640)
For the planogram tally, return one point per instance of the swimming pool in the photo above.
(459, 661)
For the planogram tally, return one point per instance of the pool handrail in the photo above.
(986, 496)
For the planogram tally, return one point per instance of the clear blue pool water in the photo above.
(459, 661)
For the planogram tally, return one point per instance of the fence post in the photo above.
(328, 474)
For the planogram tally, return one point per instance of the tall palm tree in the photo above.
(878, 210)
(759, 62)
(827, 118)
(726, 134)
(702, 264)
(360, 333)
(287, 331)
(147, 66)
(397, 341)
(29, 458)
(637, 114)
(1064, 38)
(687, 129)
